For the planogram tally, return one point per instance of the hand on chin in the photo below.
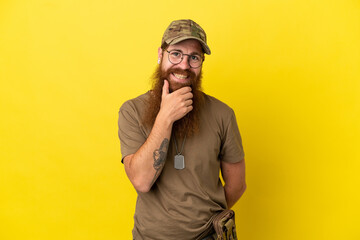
(177, 83)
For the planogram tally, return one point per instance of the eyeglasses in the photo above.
(176, 57)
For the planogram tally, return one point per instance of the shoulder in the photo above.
(216, 106)
(136, 104)
(132, 110)
(220, 117)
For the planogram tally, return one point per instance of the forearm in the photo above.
(233, 194)
(144, 166)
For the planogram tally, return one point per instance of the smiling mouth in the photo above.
(180, 76)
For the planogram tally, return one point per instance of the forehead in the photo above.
(188, 46)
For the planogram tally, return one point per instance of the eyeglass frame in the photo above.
(182, 58)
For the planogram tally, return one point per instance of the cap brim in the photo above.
(179, 39)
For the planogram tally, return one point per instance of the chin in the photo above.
(175, 85)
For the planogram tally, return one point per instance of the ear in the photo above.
(160, 53)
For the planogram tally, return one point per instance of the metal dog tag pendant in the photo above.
(179, 162)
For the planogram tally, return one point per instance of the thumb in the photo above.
(165, 90)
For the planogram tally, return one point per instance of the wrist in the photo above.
(163, 121)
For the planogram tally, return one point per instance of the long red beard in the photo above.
(189, 124)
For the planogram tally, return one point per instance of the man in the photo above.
(174, 141)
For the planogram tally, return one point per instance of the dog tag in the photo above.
(179, 162)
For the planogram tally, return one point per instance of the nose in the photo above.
(184, 64)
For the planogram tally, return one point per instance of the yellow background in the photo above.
(289, 69)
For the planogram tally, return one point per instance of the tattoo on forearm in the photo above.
(159, 156)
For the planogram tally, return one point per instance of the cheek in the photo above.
(197, 72)
(164, 61)
(165, 66)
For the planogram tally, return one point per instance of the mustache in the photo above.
(186, 72)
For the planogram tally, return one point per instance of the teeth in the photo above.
(180, 76)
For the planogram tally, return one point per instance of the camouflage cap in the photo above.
(181, 30)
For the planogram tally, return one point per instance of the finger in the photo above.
(183, 90)
(165, 90)
(188, 95)
(188, 102)
(189, 108)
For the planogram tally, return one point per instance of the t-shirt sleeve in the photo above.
(232, 149)
(130, 133)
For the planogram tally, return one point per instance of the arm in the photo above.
(234, 178)
(144, 166)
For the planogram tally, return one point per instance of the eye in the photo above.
(195, 58)
(175, 54)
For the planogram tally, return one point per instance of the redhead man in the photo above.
(175, 140)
